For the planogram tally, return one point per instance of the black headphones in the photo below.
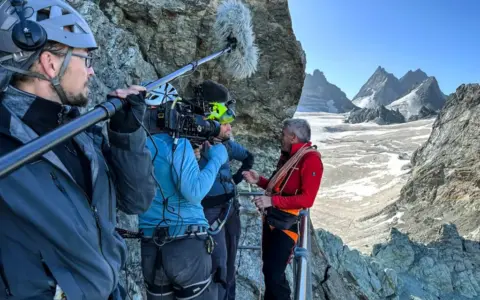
(27, 35)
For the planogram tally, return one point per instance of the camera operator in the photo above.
(221, 205)
(176, 247)
(58, 213)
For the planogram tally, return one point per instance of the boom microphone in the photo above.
(233, 22)
(233, 32)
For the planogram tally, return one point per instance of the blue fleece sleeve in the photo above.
(194, 183)
(238, 152)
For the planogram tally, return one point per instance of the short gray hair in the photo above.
(299, 127)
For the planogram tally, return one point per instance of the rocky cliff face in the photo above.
(399, 269)
(320, 95)
(141, 40)
(445, 181)
(144, 40)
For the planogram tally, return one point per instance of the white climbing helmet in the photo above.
(54, 16)
(161, 94)
(43, 20)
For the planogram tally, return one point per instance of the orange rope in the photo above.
(289, 165)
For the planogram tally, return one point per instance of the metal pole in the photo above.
(309, 264)
(301, 257)
(249, 247)
(26, 153)
(246, 194)
(191, 66)
(17, 158)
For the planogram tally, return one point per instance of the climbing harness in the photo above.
(218, 224)
(161, 237)
(210, 244)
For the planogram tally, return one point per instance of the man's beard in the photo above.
(223, 137)
(79, 100)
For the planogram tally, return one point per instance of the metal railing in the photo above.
(301, 267)
(302, 278)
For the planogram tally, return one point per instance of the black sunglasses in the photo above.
(88, 59)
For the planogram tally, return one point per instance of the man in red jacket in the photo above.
(292, 187)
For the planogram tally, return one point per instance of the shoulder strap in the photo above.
(284, 170)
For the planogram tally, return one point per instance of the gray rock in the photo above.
(412, 79)
(320, 95)
(408, 95)
(382, 88)
(379, 115)
(422, 102)
(400, 255)
(366, 277)
(403, 269)
(424, 113)
(333, 287)
(444, 185)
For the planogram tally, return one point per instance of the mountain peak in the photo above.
(412, 79)
(382, 88)
(380, 72)
(431, 79)
(318, 75)
(380, 69)
(426, 94)
(418, 72)
(320, 95)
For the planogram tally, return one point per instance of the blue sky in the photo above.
(349, 39)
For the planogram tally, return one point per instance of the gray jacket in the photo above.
(49, 232)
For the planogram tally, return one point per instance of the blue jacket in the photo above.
(182, 183)
(49, 231)
(225, 183)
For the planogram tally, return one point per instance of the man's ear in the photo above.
(295, 138)
(48, 64)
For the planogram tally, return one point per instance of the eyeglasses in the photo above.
(88, 59)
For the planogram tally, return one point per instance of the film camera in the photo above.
(197, 119)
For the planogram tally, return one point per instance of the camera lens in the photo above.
(207, 128)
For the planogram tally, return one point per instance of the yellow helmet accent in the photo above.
(221, 113)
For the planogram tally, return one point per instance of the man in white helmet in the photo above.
(58, 213)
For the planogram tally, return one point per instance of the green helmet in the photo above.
(221, 112)
(218, 97)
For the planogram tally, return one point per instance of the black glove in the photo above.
(124, 121)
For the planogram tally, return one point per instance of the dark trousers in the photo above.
(277, 248)
(225, 252)
(182, 263)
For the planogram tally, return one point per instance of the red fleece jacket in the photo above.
(303, 184)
